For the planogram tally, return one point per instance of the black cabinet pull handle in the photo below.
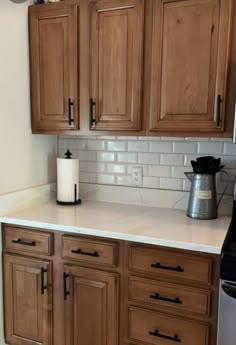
(66, 292)
(157, 334)
(24, 243)
(81, 252)
(172, 300)
(176, 269)
(92, 113)
(43, 286)
(70, 111)
(218, 110)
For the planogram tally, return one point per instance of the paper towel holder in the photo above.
(74, 195)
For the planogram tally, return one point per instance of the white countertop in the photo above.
(165, 227)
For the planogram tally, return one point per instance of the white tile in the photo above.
(82, 166)
(185, 147)
(159, 171)
(126, 138)
(149, 138)
(229, 162)
(87, 155)
(105, 179)
(210, 148)
(138, 146)
(116, 168)
(189, 158)
(86, 177)
(124, 180)
(228, 140)
(179, 171)
(171, 183)
(227, 188)
(61, 153)
(161, 146)
(143, 166)
(95, 167)
(228, 176)
(127, 157)
(150, 182)
(197, 139)
(186, 185)
(105, 156)
(96, 145)
(106, 137)
(116, 145)
(172, 159)
(149, 158)
(230, 149)
(77, 144)
(62, 143)
(172, 139)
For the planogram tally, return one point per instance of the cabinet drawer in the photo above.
(160, 329)
(98, 252)
(170, 264)
(25, 240)
(169, 295)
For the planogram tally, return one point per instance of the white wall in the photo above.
(26, 160)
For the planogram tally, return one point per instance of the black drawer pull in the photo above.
(24, 243)
(66, 292)
(157, 334)
(158, 265)
(81, 252)
(172, 300)
(43, 286)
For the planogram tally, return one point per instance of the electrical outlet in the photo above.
(137, 176)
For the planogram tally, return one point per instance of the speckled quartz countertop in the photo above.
(164, 227)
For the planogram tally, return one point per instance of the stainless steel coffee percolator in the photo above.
(202, 202)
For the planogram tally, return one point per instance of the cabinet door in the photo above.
(91, 306)
(27, 301)
(190, 44)
(53, 47)
(116, 64)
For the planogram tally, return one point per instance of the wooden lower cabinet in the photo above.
(83, 290)
(91, 306)
(27, 301)
(157, 329)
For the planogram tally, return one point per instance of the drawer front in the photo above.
(37, 242)
(169, 295)
(105, 253)
(170, 264)
(160, 329)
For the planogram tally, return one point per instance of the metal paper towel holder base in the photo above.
(72, 203)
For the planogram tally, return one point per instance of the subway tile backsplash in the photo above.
(109, 159)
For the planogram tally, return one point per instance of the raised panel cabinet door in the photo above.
(27, 301)
(117, 29)
(91, 306)
(190, 48)
(54, 77)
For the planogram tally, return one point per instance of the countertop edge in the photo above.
(114, 235)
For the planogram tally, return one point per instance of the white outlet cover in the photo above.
(137, 176)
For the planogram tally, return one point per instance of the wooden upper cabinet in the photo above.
(54, 77)
(91, 306)
(116, 50)
(27, 300)
(190, 48)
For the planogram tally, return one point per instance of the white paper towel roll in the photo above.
(67, 180)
